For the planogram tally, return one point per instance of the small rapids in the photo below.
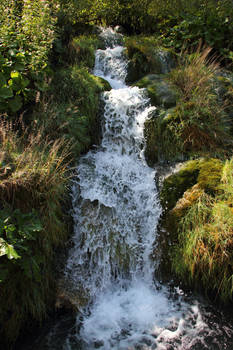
(116, 212)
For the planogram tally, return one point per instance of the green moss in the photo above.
(104, 84)
(146, 56)
(204, 172)
(70, 109)
(203, 256)
(159, 90)
(151, 149)
(176, 184)
(210, 174)
(162, 142)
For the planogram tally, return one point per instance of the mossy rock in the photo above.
(151, 149)
(105, 86)
(160, 91)
(176, 184)
(160, 140)
(210, 174)
(188, 199)
(204, 172)
(144, 58)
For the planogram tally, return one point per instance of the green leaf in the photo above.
(25, 82)
(2, 79)
(3, 247)
(16, 103)
(15, 75)
(19, 66)
(6, 92)
(11, 253)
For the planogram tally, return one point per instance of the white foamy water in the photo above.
(116, 212)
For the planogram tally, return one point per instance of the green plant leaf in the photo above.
(16, 103)
(6, 92)
(2, 79)
(11, 253)
(3, 247)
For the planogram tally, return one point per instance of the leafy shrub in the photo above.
(181, 22)
(26, 35)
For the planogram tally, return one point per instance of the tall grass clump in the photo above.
(33, 188)
(199, 121)
(204, 254)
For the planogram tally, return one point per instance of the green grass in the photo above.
(204, 253)
(82, 50)
(199, 124)
(33, 187)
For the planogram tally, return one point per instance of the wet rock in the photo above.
(205, 172)
(144, 60)
(70, 299)
(152, 147)
(176, 184)
(160, 91)
(104, 84)
(98, 344)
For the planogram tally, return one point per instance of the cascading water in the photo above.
(116, 211)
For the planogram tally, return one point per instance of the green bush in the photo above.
(27, 33)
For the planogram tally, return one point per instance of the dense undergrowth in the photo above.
(49, 106)
(49, 103)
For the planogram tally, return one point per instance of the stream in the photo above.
(111, 263)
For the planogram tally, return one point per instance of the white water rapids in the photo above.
(116, 212)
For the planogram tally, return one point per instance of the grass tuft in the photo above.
(33, 187)
(204, 254)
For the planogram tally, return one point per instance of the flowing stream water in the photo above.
(116, 212)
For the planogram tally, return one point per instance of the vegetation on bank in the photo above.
(49, 103)
(198, 201)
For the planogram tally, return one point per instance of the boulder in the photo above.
(160, 91)
(144, 60)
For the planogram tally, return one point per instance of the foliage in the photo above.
(187, 22)
(82, 50)
(33, 181)
(204, 252)
(16, 229)
(26, 35)
(70, 107)
(176, 21)
(198, 123)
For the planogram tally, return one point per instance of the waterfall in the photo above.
(116, 212)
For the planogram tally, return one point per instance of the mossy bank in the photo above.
(192, 124)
